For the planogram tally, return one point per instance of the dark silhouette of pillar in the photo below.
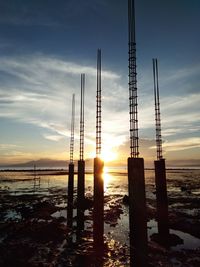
(160, 171)
(162, 199)
(80, 195)
(81, 165)
(136, 180)
(98, 212)
(70, 196)
(137, 212)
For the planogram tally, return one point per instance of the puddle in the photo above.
(59, 213)
(189, 241)
(191, 212)
(12, 215)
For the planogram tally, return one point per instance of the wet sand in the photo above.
(33, 229)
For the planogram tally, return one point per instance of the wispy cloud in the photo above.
(182, 74)
(182, 144)
(39, 91)
(35, 69)
(13, 153)
(53, 137)
(179, 114)
(8, 146)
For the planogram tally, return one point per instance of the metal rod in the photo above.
(157, 110)
(82, 117)
(81, 166)
(98, 111)
(72, 130)
(134, 146)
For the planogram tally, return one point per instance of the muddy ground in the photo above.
(33, 229)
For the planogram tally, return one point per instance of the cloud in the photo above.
(179, 114)
(39, 91)
(183, 74)
(179, 97)
(182, 144)
(8, 146)
(174, 131)
(36, 70)
(53, 137)
(145, 148)
(13, 153)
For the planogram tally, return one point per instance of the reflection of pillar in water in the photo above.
(98, 212)
(160, 170)
(81, 164)
(71, 171)
(137, 198)
(36, 180)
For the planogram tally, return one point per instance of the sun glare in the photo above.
(108, 155)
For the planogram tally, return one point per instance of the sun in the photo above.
(108, 155)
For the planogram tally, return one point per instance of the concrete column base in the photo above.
(98, 212)
(137, 213)
(80, 195)
(70, 196)
(161, 198)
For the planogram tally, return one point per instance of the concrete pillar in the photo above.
(80, 195)
(162, 200)
(98, 212)
(70, 196)
(137, 213)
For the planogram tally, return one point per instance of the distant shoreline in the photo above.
(62, 171)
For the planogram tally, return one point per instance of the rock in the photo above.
(171, 240)
(125, 200)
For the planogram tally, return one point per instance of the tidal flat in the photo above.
(33, 228)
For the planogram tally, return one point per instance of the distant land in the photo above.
(184, 163)
(51, 163)
(43, 163)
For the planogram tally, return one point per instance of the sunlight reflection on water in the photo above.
(115, 181)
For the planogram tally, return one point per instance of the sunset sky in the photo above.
(46, 45)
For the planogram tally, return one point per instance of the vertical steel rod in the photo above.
(81, 166)
(72, 130)
(134, 146)
(157, 110)
(71, 171)
(98, 107)
(82, 116)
